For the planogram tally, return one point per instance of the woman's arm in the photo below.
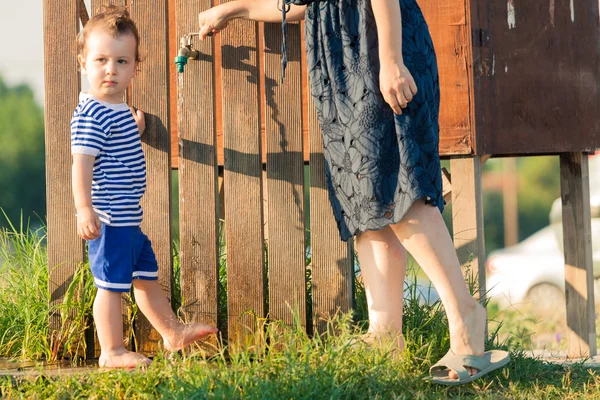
(215, 19)
(396, 83)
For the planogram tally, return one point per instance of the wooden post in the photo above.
(577, 242)
(510, 189)
(332, 261)
(150, 93)
(285, 177)
(62, 86)
(198, 174)
(126, 298)
(467, 216)
(242, 177)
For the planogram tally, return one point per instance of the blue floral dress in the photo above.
(377, 163)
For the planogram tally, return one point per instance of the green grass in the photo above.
(285, 363)
(276, 362)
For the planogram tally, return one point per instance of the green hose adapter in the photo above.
(180, 61)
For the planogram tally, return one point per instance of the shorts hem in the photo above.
(112, 287)
(146, 278)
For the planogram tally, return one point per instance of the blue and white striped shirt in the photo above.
(109, 133)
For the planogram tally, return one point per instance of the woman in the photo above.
(374, 81)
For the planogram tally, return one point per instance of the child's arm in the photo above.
(215, 19)
(88, 223)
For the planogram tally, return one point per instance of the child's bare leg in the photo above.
(383, 267)
(154, 304)
(109, 327)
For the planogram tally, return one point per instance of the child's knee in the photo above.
(143, 284)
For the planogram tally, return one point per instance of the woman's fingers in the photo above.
(394, 102)
(412, 86)
(407, 94)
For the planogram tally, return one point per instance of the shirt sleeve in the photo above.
(87, 135)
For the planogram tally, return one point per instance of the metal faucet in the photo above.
(186, 51)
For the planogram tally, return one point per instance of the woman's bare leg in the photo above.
(424, 234)
(383, 268)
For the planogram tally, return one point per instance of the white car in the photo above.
(533, 270)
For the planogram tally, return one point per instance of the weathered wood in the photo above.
(126, 299)
(62, 86)
(332, 260)
(285, 177)
(510, 190)
(577, 243)
(537, 75)
(173, 38)
(450, 28)
(242, 176)
(198, 176)
(149, 92)
(467, 217)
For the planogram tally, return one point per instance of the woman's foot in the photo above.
(467, 334)
(187, 334)
(125, 359)
(375, 338)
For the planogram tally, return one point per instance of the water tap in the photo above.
(186, 51)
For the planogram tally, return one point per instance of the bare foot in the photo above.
(127, 360)
(187, 334)
(467, 335)
(374, 338)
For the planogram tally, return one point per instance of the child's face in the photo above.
(109, 64)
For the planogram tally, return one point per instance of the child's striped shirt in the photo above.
(109, 133)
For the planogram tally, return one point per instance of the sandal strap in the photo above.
(457, 364)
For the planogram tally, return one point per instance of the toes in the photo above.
(454, 375)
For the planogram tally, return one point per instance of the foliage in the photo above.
(25, 301)
(21, 152)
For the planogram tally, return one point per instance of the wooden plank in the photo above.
(126, 299)
(510, 191)
(450, 28)
(198, 175)
(173, 38)
(242, 176)
(467, 216)
(528, 112)
(149, 92)
(332, 260)
(285, 177)
(577, 243)
(61, 89)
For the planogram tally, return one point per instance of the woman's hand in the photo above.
(88, 223)
(213, 21)
(397, 85)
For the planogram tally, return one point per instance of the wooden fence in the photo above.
(249, 93)
(241, 140)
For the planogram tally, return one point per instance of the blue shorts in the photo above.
(120, 255)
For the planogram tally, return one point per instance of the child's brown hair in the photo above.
(116, 21)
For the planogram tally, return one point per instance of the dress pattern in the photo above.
(377, 163)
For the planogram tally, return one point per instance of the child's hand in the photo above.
(88, 224)
(138, 115)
